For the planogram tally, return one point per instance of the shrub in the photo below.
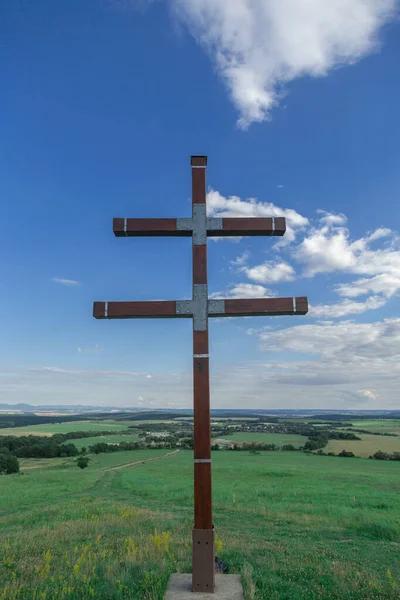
(82, 462)
(8, 464)
(346, 454)
(288, 448)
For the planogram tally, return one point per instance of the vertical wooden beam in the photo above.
(203, 569)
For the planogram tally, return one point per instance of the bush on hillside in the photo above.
(386, 456)
(346, 454)
(82, 462)
(8, 464)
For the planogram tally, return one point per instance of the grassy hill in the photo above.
(296, 526)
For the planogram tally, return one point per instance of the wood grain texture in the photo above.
(132, 310)
(200, 342)
(251, 227)
(199, 264)
(198, 186)
(266, 306)
(148, 228)
(202, 431)
(202, 496)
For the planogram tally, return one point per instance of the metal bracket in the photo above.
(199, 225)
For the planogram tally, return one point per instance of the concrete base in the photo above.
(227, 587)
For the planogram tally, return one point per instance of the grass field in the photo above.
(269, 438)
(296, 526)
(363, 423)
(52, 428)
(368, 445)
(379, 426)
(108, 439)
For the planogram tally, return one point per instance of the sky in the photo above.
(295, 103)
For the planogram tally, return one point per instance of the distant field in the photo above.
(52, 428)
(368, 445)
(376, 423)
(378, 426)
(146, 422)
(108, 439)
(268, 438)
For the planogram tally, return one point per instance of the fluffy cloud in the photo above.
(346, 341)
(233, 206)
(346, 307)
(386, 284)
(328, 247)
(270, 272)
(260, 45)
(368, 394)
(245, 290)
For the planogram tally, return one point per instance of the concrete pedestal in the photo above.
(227, 587)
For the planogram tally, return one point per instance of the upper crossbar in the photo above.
(216, 226)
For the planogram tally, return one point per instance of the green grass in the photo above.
(368, 445)
(379, 426)
(296, 526)
(108, 439)
(268, 438)
(363, 423)
(52, 428)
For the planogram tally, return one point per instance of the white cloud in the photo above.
(260, 45)
(368, 394)
(233, 206)
(332, 218)
(346, 307)
(245, 290)
(270, 272)
(329, 248)
(241, 260)
(387, 284)
(326, 250)
(347, 341)
(66, 282)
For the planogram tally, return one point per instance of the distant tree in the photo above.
(83, 450)
(346, 453)
(8, 464)
(288, 448)
(82, 462)
(381, 455)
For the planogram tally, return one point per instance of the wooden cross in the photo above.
(199, 308)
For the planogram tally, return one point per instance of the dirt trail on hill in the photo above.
(141, 462)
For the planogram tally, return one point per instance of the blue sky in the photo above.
(296, 105)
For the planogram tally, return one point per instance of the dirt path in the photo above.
(141, 462)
